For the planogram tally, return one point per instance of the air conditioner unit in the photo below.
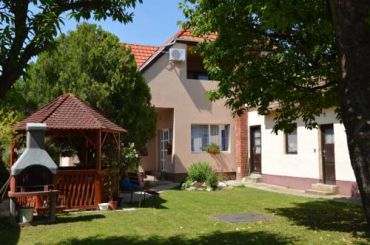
(177, 54)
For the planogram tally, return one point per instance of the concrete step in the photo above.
(324, 187)
(318, 192)
(254, 178)
(150, 178)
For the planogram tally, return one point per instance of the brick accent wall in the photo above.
(241, 145)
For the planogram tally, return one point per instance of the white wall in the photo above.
(306, 163)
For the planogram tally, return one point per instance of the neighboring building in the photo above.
(187, 120)
(303, 158)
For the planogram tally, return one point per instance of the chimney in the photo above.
(35, 153)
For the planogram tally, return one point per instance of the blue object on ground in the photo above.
(127, 184)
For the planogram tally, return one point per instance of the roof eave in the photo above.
(160, 52)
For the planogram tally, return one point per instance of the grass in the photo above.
(183, 217)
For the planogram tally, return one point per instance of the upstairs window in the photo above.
(291, 142)
(195, 67)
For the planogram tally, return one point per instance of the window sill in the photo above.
(291, 153)
(221, 152)
(201, 80)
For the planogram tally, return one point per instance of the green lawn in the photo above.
(184, 217)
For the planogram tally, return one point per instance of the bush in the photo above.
(199, 171)
(202, 172)
(212, 180)
(187, 183)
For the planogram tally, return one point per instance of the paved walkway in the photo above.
(296, 192)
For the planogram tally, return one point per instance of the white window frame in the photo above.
(220, 128)
(286, 138)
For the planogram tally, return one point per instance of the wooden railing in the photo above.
(79, 189)
(38, 200)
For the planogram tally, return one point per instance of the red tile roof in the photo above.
(69, 112)
(188, 36)
(142, 52)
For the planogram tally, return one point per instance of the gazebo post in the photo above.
(12, 201)
(11, 161)
(119, 147)
(98, 152)
(98, 180)
(86, 148)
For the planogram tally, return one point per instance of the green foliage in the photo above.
(7, 133)
(130, 157)
(213, 148)
(212, 180)
(202, 172)
(267, 52)
(7, 136)
(128, 160)
(29, 27)
(91, 64)
(187, 183)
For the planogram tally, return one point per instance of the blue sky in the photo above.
(154, 22)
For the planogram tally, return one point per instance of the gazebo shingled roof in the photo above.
(69, 112)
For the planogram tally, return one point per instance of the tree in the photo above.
(304, 55)
(7, 135)
(27, 27)
(91, 64)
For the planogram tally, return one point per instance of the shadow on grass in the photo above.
(326, 215)
(8, 234)
(212, 238)
(71, 218)
(150, 202)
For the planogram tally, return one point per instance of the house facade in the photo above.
(187, 121)
(303, 158)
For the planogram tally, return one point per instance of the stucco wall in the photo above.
(171, 89)
(151, 161)
(307, 162)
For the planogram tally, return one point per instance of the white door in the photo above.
(164, 141)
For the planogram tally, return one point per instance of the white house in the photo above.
(187, 122)
(303, 158)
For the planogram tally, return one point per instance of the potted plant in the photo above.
(213, 149)
(68, 151)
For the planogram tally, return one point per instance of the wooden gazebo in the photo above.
(67, 117)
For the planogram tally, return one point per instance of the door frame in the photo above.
(162, 149)
(322, 157)
(251, 145)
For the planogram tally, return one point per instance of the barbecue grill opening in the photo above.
(34, 178)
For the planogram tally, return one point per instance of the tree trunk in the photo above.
(353, 37)
(7, 79)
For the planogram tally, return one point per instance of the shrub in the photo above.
(187, 183)
(199, 171)
(130, 157)
(212, 180)
(203, 173)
